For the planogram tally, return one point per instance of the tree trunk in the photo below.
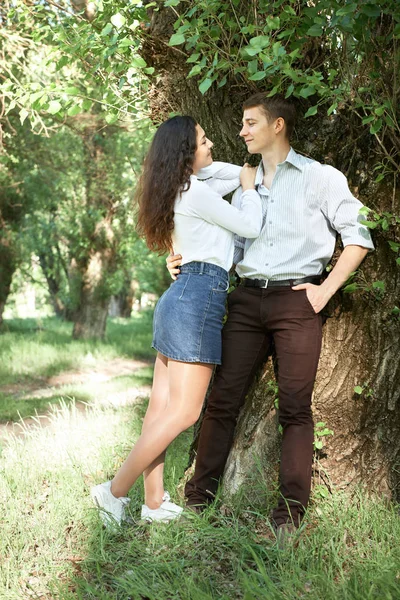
(47, 264)
(90, 317)
(7, 270)
(361, 339)
(91, 272)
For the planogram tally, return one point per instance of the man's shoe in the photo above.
(112, 509)
(285, 534)
(168, 511)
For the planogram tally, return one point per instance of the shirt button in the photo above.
(271, 244)
(271, 201)
(270, 222)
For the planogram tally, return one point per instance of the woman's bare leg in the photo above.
(187, 384)
(153, 475)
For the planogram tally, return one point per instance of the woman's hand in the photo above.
(247, 177)
(173, 261)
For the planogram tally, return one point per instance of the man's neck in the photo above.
(273, 156)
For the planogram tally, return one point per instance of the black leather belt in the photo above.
(264, 283)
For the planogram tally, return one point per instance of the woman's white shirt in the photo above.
(205, 223)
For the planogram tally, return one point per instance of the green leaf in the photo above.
(54, 107)
(332, 108)
(315, 30)
(87, 104)
(72, 91)
(111, 118)
(176, 40)
(64, 60)
(258, 76)
(106, 30)
(289, 91)
(195, 70)
(371, 10)
(223, 81)
(35, 96)
(261, 41)
(375, 127)
(307, 91)
(193, 58)
(74, 110)
(205, 85)
(318, 444)
(364, 210)
(398, 261)
(23, 113)
(379, 285)
(394, 246)
(358, 389)
(171, 2)
(311, 111)
(118, 20)
(380, 110)
(385, 224)
(125, 42)
(369, 224)
(368, 119)
(349, 289)
(149, 70)
(139, 62)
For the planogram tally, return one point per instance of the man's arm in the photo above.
(349, 261)
(173, 262)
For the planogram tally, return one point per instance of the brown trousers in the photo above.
(257, 317)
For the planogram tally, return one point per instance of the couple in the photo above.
(280, 232)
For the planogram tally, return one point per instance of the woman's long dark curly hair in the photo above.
(166, 172)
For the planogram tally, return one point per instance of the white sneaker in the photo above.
(164, 513)
(112, 509)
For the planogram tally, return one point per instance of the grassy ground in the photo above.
(52, 545)
(33, 353)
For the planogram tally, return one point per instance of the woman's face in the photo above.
(203, 156)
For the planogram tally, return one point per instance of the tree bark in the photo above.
(90, 316)
(47, 264)
(362, 338)
(7, 270)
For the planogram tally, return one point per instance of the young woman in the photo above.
(178, 211)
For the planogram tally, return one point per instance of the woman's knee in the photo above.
(189, 418)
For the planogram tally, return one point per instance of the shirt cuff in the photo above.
(357, 236)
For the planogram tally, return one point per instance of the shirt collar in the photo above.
(293, 158)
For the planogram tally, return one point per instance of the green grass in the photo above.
(52, 544)
(33, 351)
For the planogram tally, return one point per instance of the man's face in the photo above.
(257, 132)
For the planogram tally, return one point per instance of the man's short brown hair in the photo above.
(273, 108)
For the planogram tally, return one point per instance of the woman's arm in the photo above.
(245, 221)
(221, 177)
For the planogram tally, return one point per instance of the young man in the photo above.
(279, 300)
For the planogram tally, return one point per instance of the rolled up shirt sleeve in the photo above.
(342, 209)
(221, 177)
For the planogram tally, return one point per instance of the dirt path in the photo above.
(101, 372)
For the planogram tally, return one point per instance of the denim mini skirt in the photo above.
(188, 317)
